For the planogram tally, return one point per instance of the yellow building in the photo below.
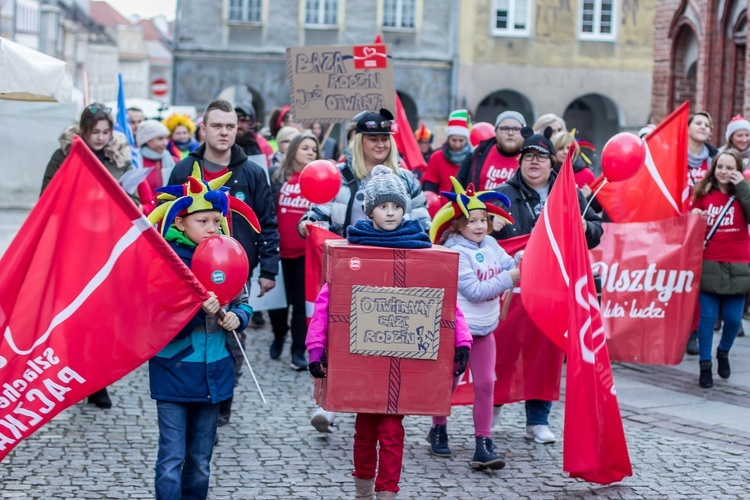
(588, 61)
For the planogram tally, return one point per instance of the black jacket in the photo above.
(522, 198)
(249, 184)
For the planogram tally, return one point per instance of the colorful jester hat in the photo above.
(197, 195)
(462, 202)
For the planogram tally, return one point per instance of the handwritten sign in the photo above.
(395, 322)
(333, 83)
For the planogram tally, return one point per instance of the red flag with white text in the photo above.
(557, 289)
(88, 292)
(660, 189)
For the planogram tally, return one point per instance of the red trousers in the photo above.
(387, 431)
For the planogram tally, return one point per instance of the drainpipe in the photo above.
(454, 55)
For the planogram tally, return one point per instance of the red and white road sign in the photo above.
(159, 87)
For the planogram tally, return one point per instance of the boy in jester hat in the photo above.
(485, 271)
(194, 373)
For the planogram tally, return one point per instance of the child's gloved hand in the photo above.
(211, 304)
(315, 370)
(460, 359)
(230, 322)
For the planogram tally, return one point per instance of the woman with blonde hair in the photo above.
(549, 120)
(565, 144)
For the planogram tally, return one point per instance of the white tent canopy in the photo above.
(29, 75)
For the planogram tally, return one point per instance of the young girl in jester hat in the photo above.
(379, 438)
(194, 372)
(485, 271)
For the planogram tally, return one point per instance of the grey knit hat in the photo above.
(150, 129)
(510, 114)
(384, 186)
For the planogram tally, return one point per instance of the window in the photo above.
(399, 14)
(321, 12)
(511, 17)
(598, 19)
(245, 11)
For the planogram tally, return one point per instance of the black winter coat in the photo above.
(249, 184)
(523, 198)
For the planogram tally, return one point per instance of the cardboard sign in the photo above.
(387, 383)
(397, 322)
(332, 84)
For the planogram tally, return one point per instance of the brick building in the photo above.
(700, 56)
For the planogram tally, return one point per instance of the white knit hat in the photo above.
(150, 129)
(458, 123)
(737, 123)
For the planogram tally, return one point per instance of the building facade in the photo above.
(236, 48)
(700, 56)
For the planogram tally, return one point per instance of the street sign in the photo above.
(159, 87)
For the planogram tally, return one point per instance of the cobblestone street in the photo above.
(271, 451)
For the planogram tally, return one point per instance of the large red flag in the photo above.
(406, 142)
(88, 292)
(557, 289)
(659, 190)
(316, 236)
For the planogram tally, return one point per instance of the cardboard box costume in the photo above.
(385, 309)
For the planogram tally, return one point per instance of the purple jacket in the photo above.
(317, 332)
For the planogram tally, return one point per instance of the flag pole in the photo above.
(221, 315)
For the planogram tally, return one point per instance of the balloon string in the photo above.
(594, 196)
(222, 314)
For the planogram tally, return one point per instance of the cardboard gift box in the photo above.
(391, 329)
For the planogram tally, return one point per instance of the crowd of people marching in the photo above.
(506, 179)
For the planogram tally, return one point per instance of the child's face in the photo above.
(387, 216)
(200, 225)
(475, 228)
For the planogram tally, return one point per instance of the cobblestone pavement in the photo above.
(271, 451)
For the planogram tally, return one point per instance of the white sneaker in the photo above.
(539, 434)
(322, 420)
(497, 416)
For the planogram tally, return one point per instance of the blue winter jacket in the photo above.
(197, 366)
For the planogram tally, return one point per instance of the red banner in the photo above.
(88, 292)
(559, 293)
(650, 275)
(528, 364)
(316, 236)
(659, 189)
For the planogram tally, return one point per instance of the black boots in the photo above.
(100, 399)
(706, 379)
(692, 345)
(722, 357)
(485, 456)
(438, 437)
(225, 411)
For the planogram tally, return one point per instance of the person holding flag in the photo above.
(528, 191)
(723, 199)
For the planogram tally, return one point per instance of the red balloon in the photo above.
(481, 131)
(320, 181)
(746, 174)
(433, 202)
(220, 264)
(622, 156)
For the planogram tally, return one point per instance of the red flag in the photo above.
(316, 236)
(88, 292)
(406, 142)
(659, 189)
(557, 289)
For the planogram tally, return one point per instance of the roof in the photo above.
(106, 15)
(149, 30)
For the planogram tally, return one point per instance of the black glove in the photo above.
(317, 372)
(459, 360)
(324, 360)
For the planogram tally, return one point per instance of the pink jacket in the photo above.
(317, 332)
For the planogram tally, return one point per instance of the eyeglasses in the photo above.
(95, 109)
(507, 130)
(538, 156)
(373, 125)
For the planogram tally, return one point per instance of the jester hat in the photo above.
(197, 195)
(464, 201)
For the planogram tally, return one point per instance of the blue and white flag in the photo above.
(122, 124)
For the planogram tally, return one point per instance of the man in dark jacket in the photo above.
(248, 138)
(216, 157)
(528, 190)
(495, 160)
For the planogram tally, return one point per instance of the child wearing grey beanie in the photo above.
(384, 186)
